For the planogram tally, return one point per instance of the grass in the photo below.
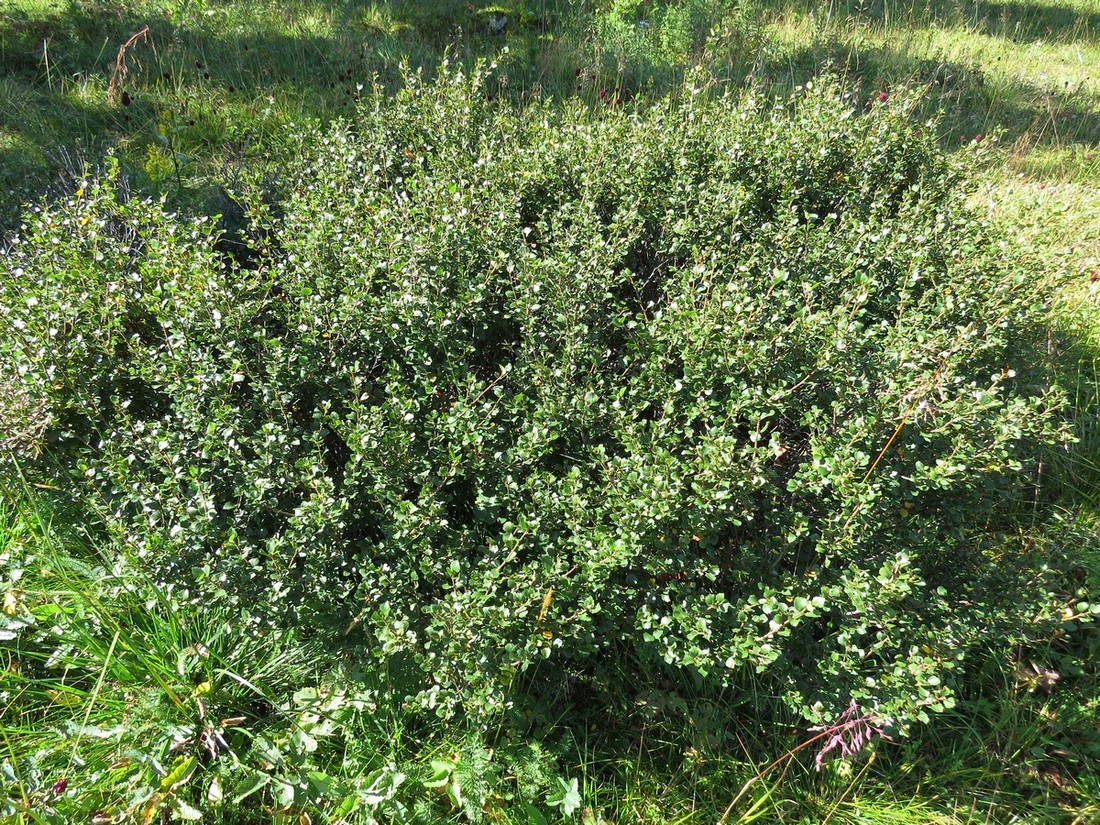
(108, 678)
(121, 692)
(206, 89)
(210, 88)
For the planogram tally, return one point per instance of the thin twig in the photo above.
(118, 74)
(762, 773)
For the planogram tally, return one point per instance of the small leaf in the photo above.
(252, 784)
(150, 810)
(187, 812)
(302, 743)
(348, 804)
(267, 750)
(441, 774)
(180, 773)
(567, 796)
(287, 794)
(319, 781)
(382, 787)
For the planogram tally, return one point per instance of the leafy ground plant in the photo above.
(122, 705)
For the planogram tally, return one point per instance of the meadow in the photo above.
(605, 412)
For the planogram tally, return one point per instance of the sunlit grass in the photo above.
(986, 69)
(1026, 70)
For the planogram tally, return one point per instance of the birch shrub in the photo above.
(742, 387)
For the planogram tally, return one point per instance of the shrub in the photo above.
(651, 43)
(743, 387)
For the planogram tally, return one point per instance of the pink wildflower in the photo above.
(848, 734)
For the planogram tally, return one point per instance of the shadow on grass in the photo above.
(1028, 22)
(219, 84)
(1020, 22)
(969, 101)
(220, 80)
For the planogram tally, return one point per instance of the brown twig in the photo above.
(118, 74)
(790, 754)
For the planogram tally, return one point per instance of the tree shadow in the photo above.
(1026, 22)
(216, 84)
(1013, 20)
(964, 99)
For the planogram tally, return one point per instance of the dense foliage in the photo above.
(737, 386)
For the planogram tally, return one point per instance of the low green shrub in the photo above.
(741, 387)
(120, 705)
(650, 44)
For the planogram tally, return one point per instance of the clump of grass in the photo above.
(116, 691)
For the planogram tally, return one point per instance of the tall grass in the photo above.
(209, 91)
(110, 682)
